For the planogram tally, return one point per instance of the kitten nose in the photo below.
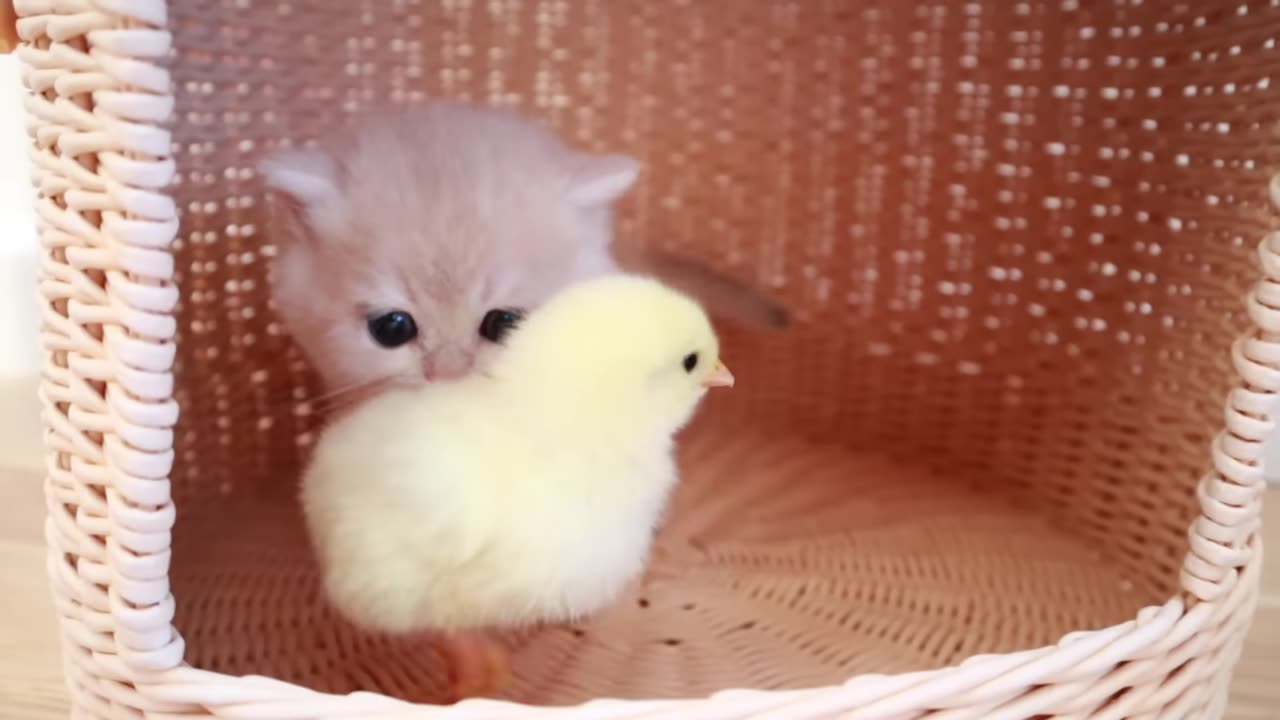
(445, 366)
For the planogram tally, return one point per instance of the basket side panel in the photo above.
(97, 99)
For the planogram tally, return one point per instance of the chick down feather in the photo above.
(527, 495)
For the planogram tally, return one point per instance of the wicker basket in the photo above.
(1017, 237)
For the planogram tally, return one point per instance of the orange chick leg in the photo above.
(477, 663)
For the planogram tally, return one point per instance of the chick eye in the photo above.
(690, 362)
(392, 329)
(498, 322)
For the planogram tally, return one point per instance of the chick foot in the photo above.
(478, 665)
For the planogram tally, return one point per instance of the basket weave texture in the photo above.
(986, 475)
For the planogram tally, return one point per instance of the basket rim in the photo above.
(1158, 639)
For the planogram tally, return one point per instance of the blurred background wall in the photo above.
(19, 355)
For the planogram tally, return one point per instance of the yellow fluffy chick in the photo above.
(523, 494)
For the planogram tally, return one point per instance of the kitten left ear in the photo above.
(307, 176)
(601, 179)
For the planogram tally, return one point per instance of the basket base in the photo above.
(784, 564)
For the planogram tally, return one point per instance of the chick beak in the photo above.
(719, 377)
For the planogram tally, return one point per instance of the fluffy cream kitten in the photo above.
(411, 241)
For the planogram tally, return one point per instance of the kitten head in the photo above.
(409, 244)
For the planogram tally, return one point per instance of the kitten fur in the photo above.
(446, 211)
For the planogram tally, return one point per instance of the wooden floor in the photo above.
(30, 667)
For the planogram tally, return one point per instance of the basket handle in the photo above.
(1222, 537)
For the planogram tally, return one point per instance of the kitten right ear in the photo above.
(598, 180)
(306, 178)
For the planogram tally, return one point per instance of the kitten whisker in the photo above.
(345, 397)
(340, 398)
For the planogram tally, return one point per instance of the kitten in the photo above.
(411, 242)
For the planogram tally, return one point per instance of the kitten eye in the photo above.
(690, 362)
(392, 329)
(498, 322)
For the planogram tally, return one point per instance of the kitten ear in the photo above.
(600, 179)
(305, 177)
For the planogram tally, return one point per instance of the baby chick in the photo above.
(523, 495)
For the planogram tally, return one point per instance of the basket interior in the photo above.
(1015, 237)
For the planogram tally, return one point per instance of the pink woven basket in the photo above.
(1016, 237)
